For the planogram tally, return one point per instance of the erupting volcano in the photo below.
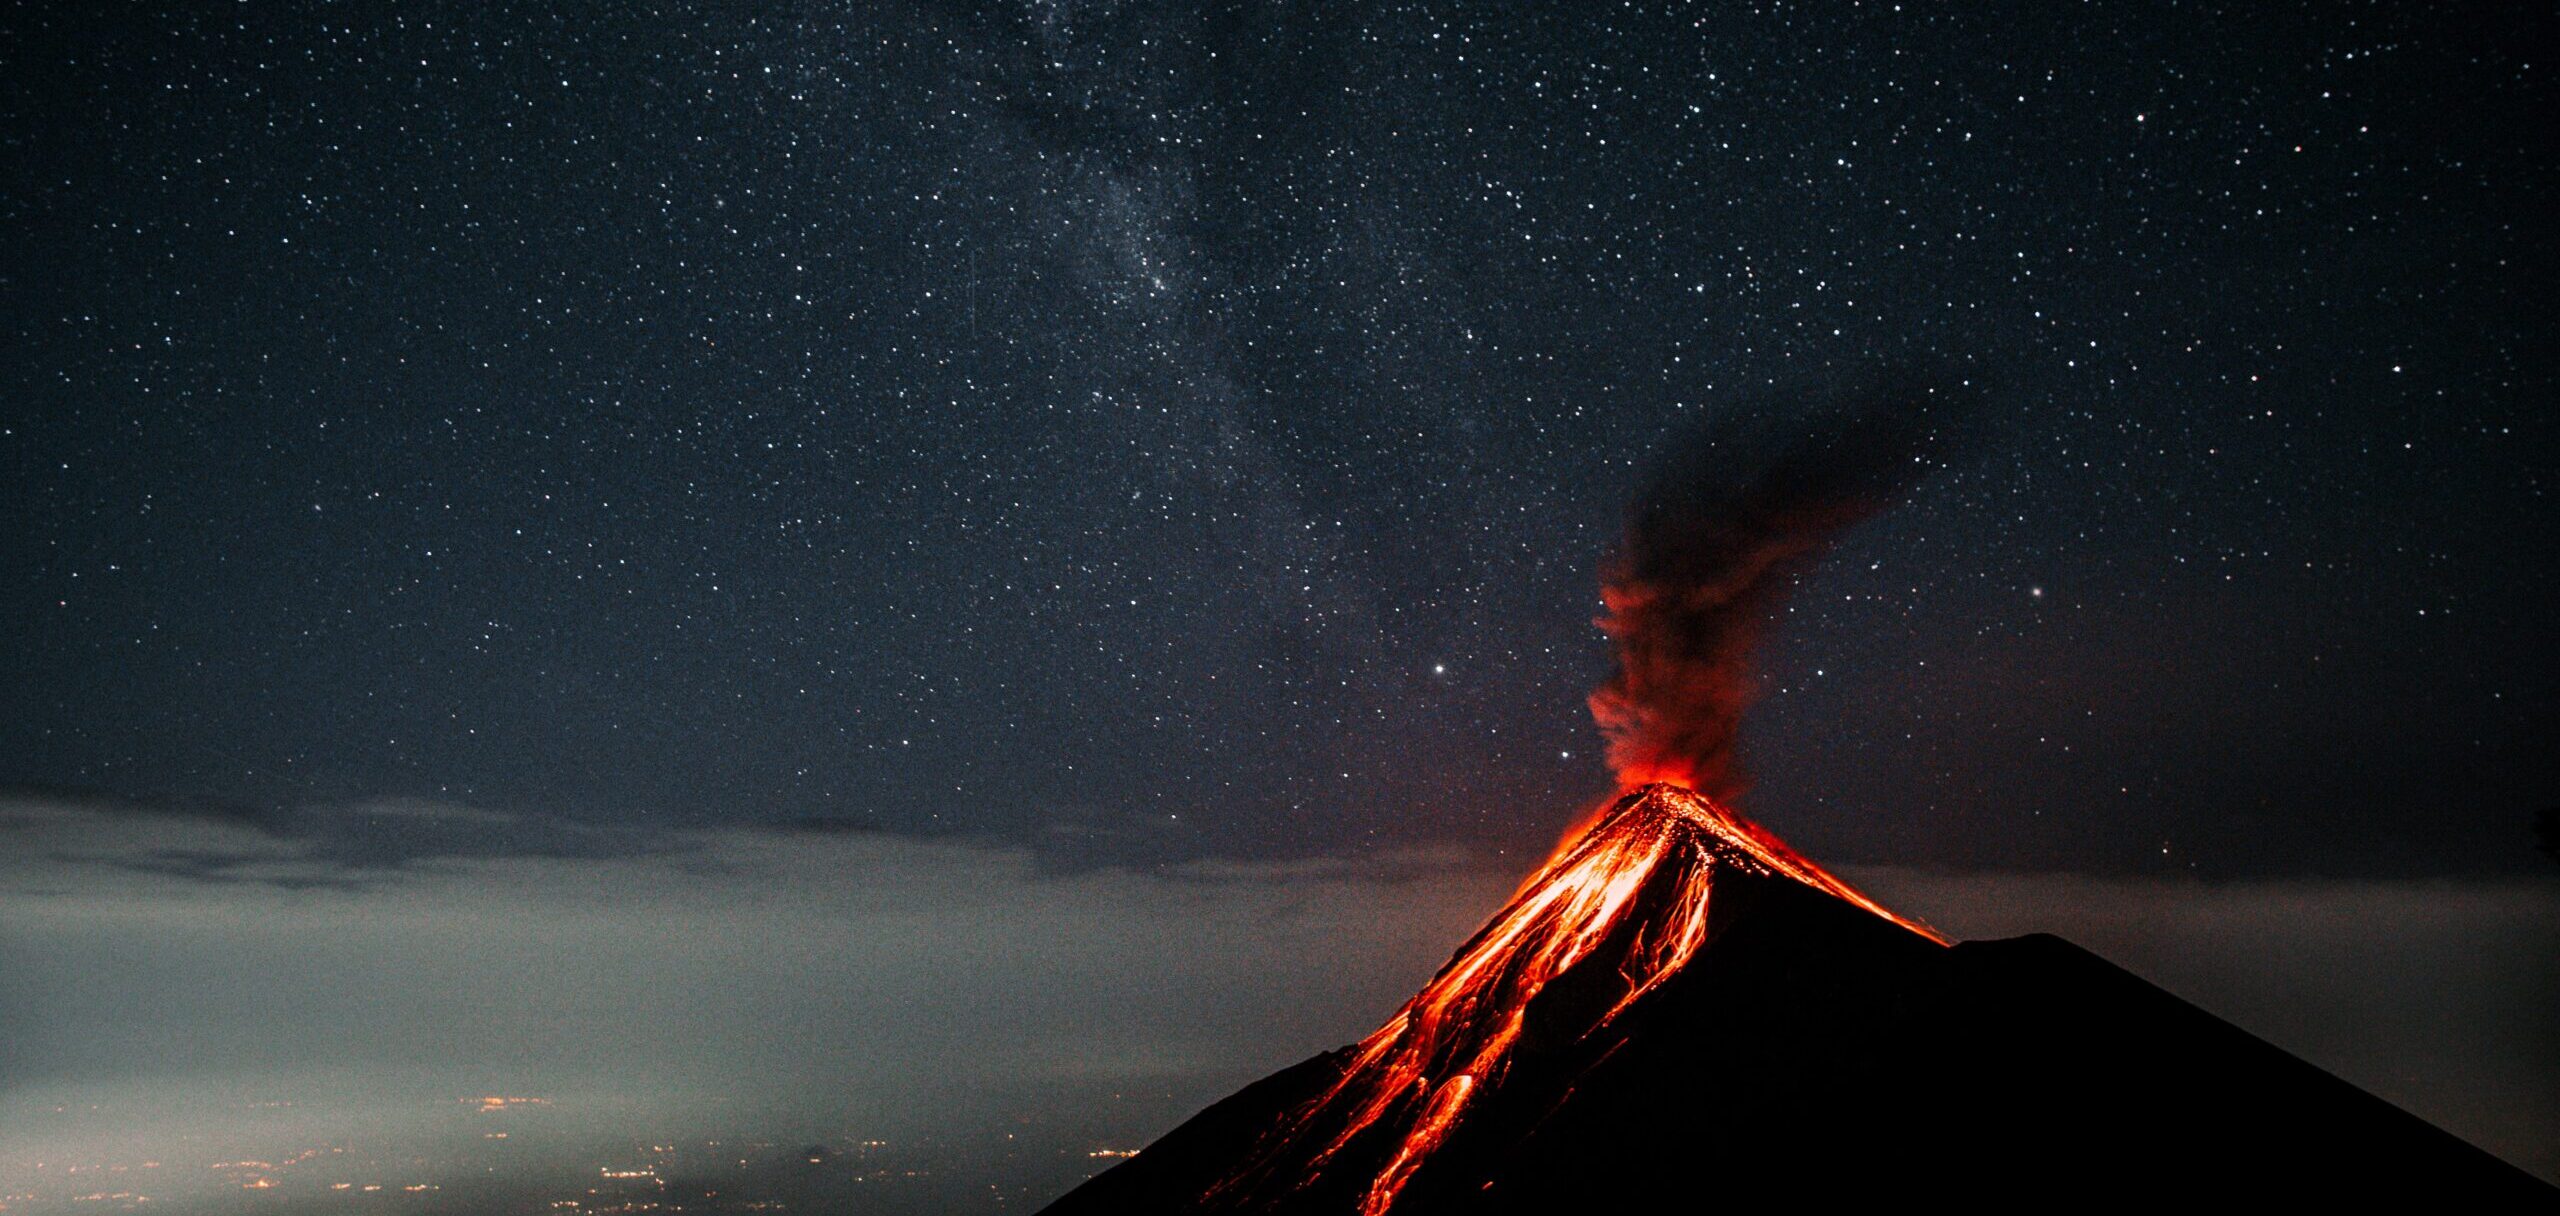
(1678, 1009)
(1618, 910)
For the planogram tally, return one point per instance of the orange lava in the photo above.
(1417, 1074)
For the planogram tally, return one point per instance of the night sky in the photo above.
(1130, 437)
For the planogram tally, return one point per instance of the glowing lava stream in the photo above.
(1453, 1039)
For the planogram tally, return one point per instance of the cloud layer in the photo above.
(854, 980)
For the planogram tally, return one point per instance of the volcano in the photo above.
(1678, 1010)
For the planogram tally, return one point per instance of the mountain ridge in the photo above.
(1801, 1041)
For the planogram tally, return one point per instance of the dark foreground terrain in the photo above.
(1813, 1051)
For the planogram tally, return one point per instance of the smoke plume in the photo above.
(1734, 512)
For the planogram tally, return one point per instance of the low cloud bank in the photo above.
(792, 983)
(796, 983)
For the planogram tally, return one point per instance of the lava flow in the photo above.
(1631, 890)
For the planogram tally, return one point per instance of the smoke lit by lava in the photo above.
(1733, 515)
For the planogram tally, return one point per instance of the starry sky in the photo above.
(1059, 463)
(1149, 431)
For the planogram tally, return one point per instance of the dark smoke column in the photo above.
(1735, 511)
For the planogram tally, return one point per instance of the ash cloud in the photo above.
(1733, 513)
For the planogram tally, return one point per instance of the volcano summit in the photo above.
(1679, 1006)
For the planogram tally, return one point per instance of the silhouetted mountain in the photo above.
(1677, 1013)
